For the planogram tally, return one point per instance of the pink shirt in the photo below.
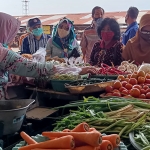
(89, 38)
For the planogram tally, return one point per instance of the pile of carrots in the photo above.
(82, 137)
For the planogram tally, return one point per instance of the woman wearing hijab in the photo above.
(11, 62)
(109, 49)
(138, 48)
(63, 43)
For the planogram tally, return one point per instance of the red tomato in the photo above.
(147, 76)
(145, 87)
(141, 80)
(135, 92)
(117, 94)
(121, 78)
(147, 81)
(137, 86)
(128, 86)
(132, 81)
(127, 79)
(143, 96)
(115, 90)
(125, 92)
(117, 85)
(143, 91)
(148, 95)
(124, 83)
(129, 76)
(141, 74)
(109, 94)
(109, 89)
(122, 88)
(148, 90)
(134, 75)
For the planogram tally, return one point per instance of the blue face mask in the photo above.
(5, 45)
(37, 32)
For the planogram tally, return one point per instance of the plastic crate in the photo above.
(59, 85)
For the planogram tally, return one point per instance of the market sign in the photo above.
(47, 29)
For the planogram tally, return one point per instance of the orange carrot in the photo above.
(82, 127)
(90, 138)
(113, 138)
(85, 148)
(106, 145)
(91, 129)
(66, 130)
(27, 138)
(66, 142)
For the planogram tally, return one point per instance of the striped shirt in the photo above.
(30, 45)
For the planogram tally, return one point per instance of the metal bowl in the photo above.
(12, 113)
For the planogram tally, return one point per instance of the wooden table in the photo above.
(49, 91)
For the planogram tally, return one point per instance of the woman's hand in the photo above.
(85, 70)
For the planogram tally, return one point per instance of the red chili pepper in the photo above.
(104, 65)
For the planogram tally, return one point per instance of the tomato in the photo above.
(121, 78)
(115, 90)
(135, 92)
(143, 96)
(117, 85)
(129, 76)
(147, 76)
(143, 91)
(148, 95)
(141, 80)
(127, 79)
(134, 76)
(132, 81)
(128, 86)
(116, 94)
(147, 81)
(128, 96)
(109, 94)
(138, 87)
(122, 88)
(145, 87)
(148, 90)
(124, 83)
(125, 92)
(109, 89)
(141, 74)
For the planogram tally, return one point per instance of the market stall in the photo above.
(111, 106)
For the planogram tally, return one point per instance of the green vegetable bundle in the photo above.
(114, 115)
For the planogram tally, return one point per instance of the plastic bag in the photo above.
(145, 67)
(39, 56)
(74, 61)
(67, 70)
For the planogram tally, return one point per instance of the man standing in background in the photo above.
(90, 36)
(36, 39)
(130, 20)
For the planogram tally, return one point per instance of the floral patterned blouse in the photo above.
(108, 55)
(15, 64)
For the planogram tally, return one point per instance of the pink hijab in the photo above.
(9, 27)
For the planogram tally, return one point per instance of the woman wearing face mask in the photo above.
(138, 48)
(11, 62)
(109, 49)
(36, 39)
(63, 43)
